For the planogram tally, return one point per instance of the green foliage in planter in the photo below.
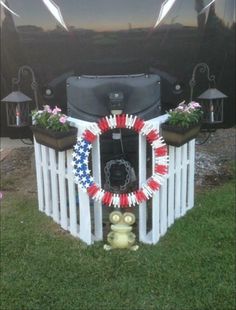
(51, 119)
(185, 115)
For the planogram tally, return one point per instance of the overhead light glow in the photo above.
(165, 8)
(55, 11)
(6, 7)
(207, 6)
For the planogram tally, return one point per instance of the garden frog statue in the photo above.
(121, 236)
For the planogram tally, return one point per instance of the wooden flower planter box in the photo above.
(59, 141)
(177, 136)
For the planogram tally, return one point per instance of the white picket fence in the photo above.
(60, 198)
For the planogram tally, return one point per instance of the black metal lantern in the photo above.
(17, 108)
(17, 103)
(212, 102)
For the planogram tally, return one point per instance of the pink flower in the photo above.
(194, 105)
(56, 110)
(1, 195)
(63, 119)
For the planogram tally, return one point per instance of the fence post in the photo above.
(184, 179)
(171, 184)
(62, 190)
(191, 174)
(96, 163)
(54, 186)
(85, 217)
(71, 197)
(142, 178)
(39, 174)
(178, 183)
(46, 180)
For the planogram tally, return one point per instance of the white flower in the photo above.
(47, 108)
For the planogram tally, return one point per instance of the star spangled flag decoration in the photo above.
(81, 158)
(80, 163)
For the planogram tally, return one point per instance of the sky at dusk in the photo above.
(108, 14)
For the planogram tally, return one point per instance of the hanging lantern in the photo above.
(17, 109)
(212, 102)
(17, 103)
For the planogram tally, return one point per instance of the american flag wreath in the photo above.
(83, 148)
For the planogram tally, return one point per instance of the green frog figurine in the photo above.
(121, 236)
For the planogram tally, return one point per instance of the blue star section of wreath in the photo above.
(80, 163)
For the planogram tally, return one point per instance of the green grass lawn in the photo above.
(192, 267)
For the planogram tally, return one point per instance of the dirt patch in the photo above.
(214, 159)
(18, 171)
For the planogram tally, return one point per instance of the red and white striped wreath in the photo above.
(84, 145)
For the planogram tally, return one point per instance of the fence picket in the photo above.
(142, 178)
(191, 166)
(62, 190)
(46, 180)
(96, 164)
(54, 186)
(71, 196)
(39, 174)
(171, 183)
(163, 208)
(177, 181)
(156, 206)
(156, 217)
(85, 217)
(184, 179)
